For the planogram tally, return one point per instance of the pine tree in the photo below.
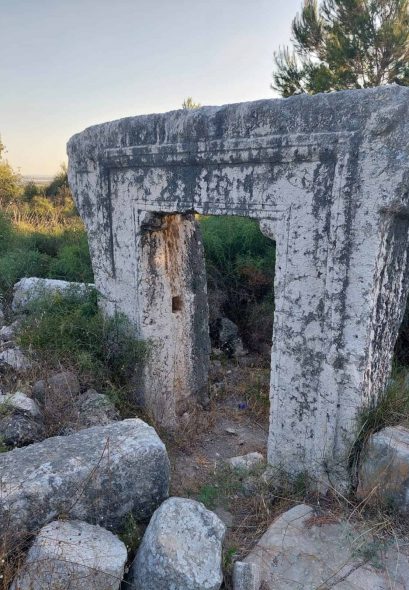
(344, 44)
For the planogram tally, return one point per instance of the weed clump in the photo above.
(69, 329)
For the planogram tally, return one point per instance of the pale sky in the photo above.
(68, 64)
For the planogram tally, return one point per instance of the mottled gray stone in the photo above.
(303, 550)
(20, 420)
(384, 469)
(14, 358)
(101, 475)
(326, 177)
(7, 333)
(181, 548)
(95, 408)
(246, 576)
(73, 555)
(19, 401)
(29, 289)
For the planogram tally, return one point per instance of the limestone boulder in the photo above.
(60, 385)
(309, 550)
(15, 359)
(29, 289)
(74, 555)
(384, 469)
(101, 475)
(95, 408)
(20, 420)
(181, 548)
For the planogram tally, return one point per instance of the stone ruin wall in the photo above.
(327, 179)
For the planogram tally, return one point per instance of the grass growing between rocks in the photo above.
(70, 331)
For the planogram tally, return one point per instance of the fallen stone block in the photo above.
(384, 469)
(75, 555)
(29, 289)
(101, 475)
(181, 548)
(305, 549)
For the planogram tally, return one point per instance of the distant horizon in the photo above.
(81, 63)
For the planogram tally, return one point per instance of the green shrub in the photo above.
(18, 263)
(240, 264)
(6, 232)
(71, 330)
(73, 263)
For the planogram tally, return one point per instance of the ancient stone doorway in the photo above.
(327, 178)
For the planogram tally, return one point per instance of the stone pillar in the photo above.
(172, 315)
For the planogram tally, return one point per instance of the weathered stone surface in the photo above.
(29, 289)
(246, 462)
(7, 333)
(95, 408)
(326, 176)
(19, 401)
(20, 420)
(302, 550)
(384, 468)
(101, 475)
(246, 576)
(73, 555)
(14, 358)
(181, 548)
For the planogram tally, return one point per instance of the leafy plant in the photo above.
(71, 329)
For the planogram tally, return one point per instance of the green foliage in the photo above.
(344, 44)
(20, 263)
(6, 231)
(240, 263)
(208, 495)
(40, 235)
(70, 329)
(73, 262)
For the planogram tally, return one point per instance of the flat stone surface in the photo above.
(181, 549)
(29, 289)
(384, 469)
(303, 550)
(101, 475)
(73, 555)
